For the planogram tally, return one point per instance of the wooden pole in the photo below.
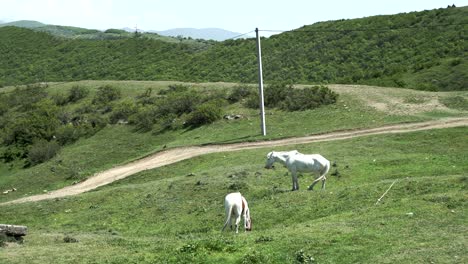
(260, 84)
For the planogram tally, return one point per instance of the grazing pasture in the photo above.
(173, 214)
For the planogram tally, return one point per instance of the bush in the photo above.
(68, 134)
(206, 113)
(77, 93)
(122, 111)
(252, 101)
(240, 92)
(60, 99)
(308, 98)
(106, 94)
(25, 98)
(145, 98)
(276, 93)
(168, 122)
(143, 119)
(179, 104)
(42, 151)
(11, 153)
(293, 99)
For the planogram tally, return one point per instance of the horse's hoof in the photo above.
(310, 189)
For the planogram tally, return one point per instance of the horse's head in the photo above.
(270, 160)
(248, 225)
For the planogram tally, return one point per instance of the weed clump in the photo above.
(302, 257)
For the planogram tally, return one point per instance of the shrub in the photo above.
(293, 99)
(60, 99)
(68, 134)
(77, 93)
(308, 98)
(25, 98)
(180, 103)
(42, 151)
(11, 153)
(106, 94)
(122, 111)
(276, 93)
(143, 119)
(252, 101)
(168, 122)
(206, 113)
(240, 92)
(145, 98)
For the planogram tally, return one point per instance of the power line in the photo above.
(238, 36)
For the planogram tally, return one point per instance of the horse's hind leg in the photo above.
(295, 185)
(323, 183)
(311, 187)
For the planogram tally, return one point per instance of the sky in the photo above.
(239, 16)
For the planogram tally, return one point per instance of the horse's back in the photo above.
(308, 162)
(309, 157)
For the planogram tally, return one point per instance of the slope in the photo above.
(419, 50)
(178, 154)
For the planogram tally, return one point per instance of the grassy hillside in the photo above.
(174, 214)
(419, 50)
(88, 149)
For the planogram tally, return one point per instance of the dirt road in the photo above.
(177, 154)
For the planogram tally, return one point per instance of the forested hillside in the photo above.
(420, 50)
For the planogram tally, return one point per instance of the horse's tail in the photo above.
(228, 217)
(325, 170)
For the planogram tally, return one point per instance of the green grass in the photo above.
(117, 144)
(174, 214)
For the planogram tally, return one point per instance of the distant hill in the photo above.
(419, 50)
(203, 33)
(84, 33)
(23, 23)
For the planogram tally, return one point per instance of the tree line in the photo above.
(420, 50)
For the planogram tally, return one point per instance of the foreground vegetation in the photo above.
(174, 214)
(420, 50)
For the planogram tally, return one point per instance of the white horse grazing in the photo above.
(298, 162)
(236, 206)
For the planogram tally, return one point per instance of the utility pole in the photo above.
(260, 84)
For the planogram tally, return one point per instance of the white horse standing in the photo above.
(298, 162)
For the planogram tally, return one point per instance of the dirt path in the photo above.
(177, 154)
